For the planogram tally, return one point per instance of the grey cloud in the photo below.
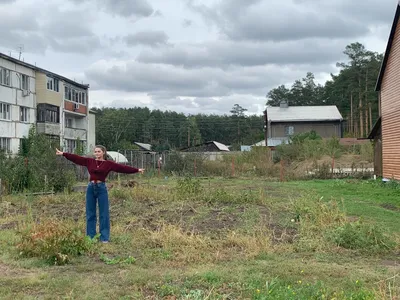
(7, 1)
(158, 13)
(255, 26)
(187, 23)
(78, 45)
(68, 24)
(166, 82)
(277, 21)
(69, 31)
(225, 53)
(17, 27)
(125, 8)
(32, 42)
(361, 10)
(13, 20)
(152, 38)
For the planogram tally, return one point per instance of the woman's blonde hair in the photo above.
(102, 149)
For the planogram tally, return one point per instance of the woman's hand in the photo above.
(59, 153)
(141, 171)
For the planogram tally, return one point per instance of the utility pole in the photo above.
(189, 136)
(265, 127)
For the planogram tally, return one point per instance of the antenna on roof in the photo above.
(20, 48)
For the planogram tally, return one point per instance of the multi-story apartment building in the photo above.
(17, 102)
(58, 105)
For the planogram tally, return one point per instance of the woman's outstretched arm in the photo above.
(79, 160)
(125, 169)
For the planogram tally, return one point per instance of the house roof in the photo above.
(388, 48)
(303, 113)
(220, 146)
(22, 63)
(144, 146)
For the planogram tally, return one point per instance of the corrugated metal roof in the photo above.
(144, 146)
(303, 113)
(220, 146)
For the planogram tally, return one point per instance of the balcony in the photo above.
(48, 128)
(75, 133)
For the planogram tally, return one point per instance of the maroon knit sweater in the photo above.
(99, 169)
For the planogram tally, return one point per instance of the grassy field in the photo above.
(209, 239)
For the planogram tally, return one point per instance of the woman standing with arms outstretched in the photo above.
(98, 168)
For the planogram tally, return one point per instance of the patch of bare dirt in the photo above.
(9, 225)
(390, 263)
(214, 222)
(390, 206)
(14, 272)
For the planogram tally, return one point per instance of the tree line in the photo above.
(352, 90)
(118, 128)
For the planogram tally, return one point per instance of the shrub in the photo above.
(189, 186)
(36, 167)
(54, 241)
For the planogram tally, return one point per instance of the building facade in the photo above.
(57, 105)
(17, 103)
(284, 121)
(385, 132)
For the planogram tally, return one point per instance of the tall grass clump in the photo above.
(315, 218)
(369, 238)
(308, 146)
(323, 225)
(256, 162)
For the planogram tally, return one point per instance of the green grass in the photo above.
(370, 200)
(212, 239)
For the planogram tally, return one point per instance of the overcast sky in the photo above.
(191, 56)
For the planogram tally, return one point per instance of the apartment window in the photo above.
(68, 122)
(5, 144)
(24, 114)
(5, 77)
(67, 93)
(5, 111)
(48, 113)
(74, 95)
(71, 145)
(24, 82)
(289, 130)
(53, 84)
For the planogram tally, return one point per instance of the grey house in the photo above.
(284, 121)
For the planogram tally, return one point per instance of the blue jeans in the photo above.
(97, 192)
